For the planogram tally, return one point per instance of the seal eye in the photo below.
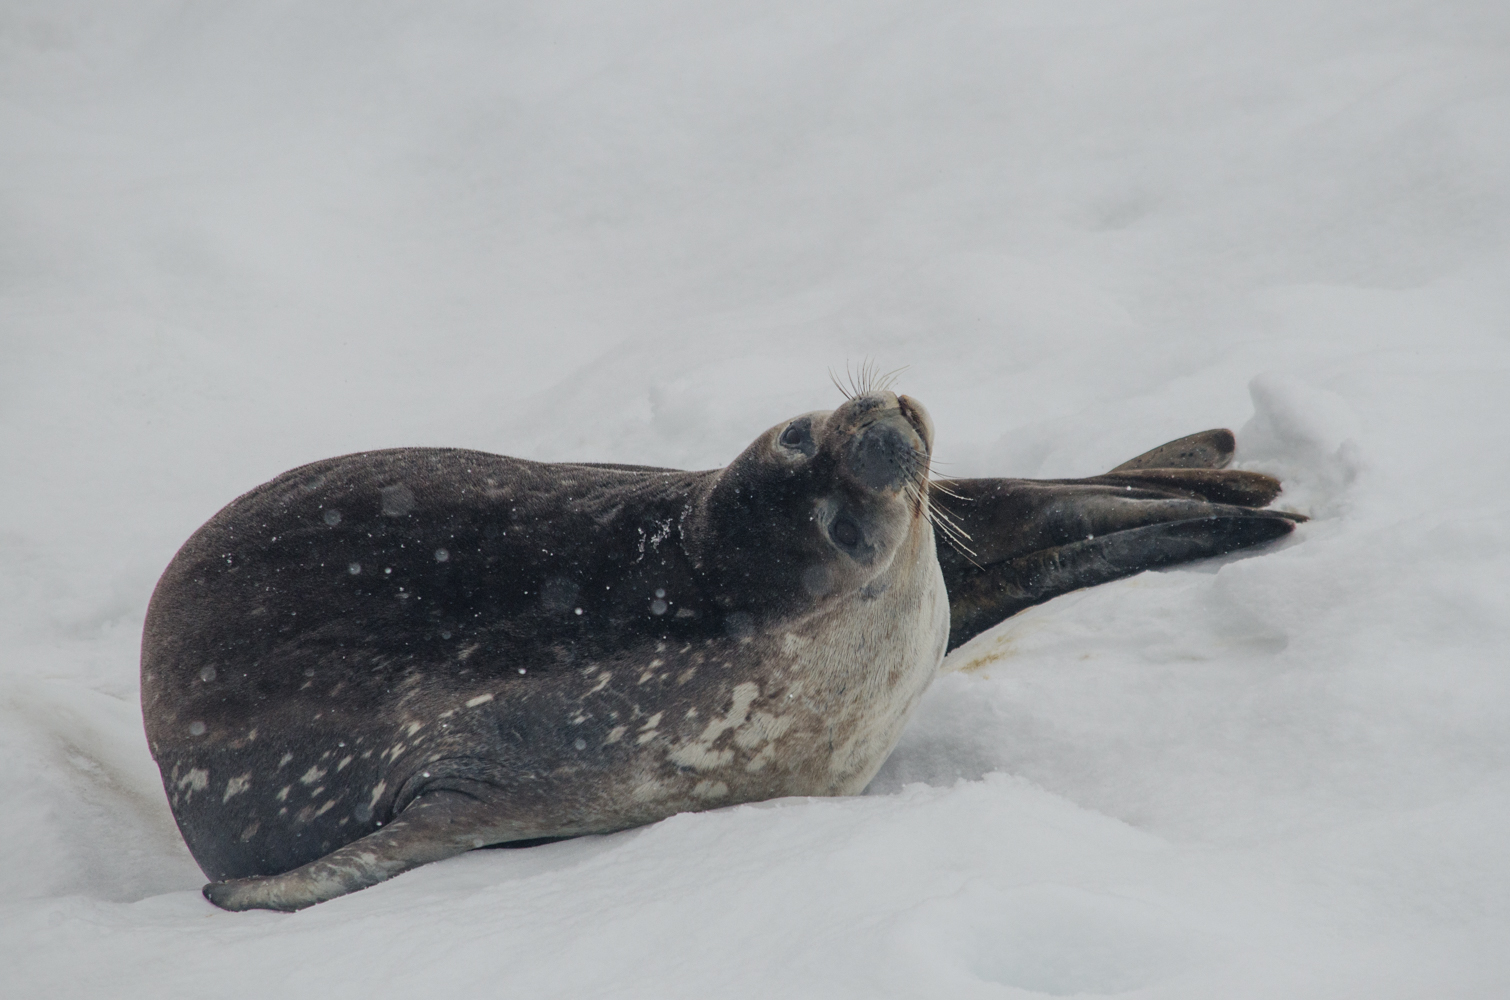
(845, 531)
(793, 436)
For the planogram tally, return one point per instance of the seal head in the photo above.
(828, 498)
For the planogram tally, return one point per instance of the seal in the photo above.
(385, 659)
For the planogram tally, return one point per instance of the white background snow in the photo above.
(236, 237)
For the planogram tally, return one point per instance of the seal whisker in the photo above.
(957, 537)
(938, 486)
(956, 543)
(860, 380)
(915, 473)
(946, 519)
(888, 380)
(919, 466)
(918, 488)
(940, 517)
(832, 377)
(865, 379)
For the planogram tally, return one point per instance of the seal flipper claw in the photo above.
(433, 827)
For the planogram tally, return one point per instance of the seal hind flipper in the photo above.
(1203, 450)
(1032, 540)
(980, 598)
(1194, 466)
(433, 827)
(1228, 486)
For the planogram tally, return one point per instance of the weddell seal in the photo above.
(385, 659)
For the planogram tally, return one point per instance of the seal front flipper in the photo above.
(1032, 540)
(433, 827)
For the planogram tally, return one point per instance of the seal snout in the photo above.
(881, 458)
(890, 449)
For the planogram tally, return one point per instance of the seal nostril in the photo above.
(846, 532)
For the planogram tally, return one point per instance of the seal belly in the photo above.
(903, 642)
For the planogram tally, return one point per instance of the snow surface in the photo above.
(243, 236)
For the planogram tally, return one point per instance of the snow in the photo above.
(240, 237)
